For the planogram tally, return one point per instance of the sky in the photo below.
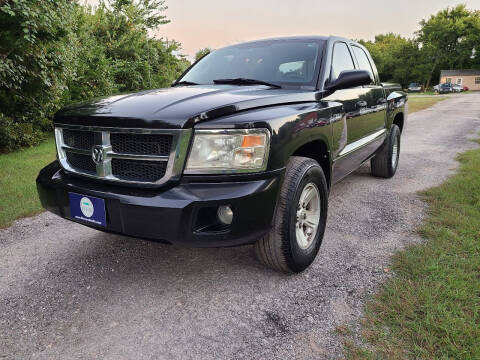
(198, 24)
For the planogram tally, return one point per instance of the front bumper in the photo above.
(178, 215)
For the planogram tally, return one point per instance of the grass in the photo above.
(417, 103)
(18, 193)
(423, 93)
(430, 309)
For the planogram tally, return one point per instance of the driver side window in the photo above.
(341, 60)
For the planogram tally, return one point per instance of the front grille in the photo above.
(145, 144)
(79, 139)
(135, 170)
(124, 155)
(81, 162)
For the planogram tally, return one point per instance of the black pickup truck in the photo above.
(243, 148)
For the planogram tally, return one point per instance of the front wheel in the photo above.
(299, 220)
(385, 162)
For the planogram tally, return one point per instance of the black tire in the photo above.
(279, 249)
(382, 164)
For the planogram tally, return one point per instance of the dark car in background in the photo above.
(445, 88)
(414, 87)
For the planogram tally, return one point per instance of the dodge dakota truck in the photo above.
(242, 149)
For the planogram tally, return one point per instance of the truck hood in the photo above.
(177, 107)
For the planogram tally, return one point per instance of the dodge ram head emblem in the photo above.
(97, 154)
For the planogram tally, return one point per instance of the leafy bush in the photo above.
(67, 52)
(33, 66)
(14, 134)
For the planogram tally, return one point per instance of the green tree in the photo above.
(34, 62)
(202, 52)
(117, 39)
(397, 59)
(449, 39)
(69, 52)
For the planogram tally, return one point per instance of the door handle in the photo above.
(361, 104)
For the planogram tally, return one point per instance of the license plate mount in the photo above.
(87, 209)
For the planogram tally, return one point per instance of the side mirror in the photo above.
(350, 78)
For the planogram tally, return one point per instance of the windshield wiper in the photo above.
(244, 81)
(184, 83)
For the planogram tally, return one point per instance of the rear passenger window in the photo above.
(342, 60)
(362, 59)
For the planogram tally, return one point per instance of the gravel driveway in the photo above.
(69, 292)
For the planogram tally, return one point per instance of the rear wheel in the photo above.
(300, 218)
(385, 162)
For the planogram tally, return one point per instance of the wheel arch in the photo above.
(399, 120)
(317, 150)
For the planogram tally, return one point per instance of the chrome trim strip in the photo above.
(360, 143)
(112, 154)
(76, 150)
(59, 142)
(205, 171)
(176, 158)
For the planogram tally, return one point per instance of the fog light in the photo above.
(225, 214)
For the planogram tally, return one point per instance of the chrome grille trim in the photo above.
(175, 160)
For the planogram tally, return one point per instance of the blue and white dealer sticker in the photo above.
(87, 209)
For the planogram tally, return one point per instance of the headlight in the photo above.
(228, 151)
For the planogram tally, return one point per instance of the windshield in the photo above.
(283, 62)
